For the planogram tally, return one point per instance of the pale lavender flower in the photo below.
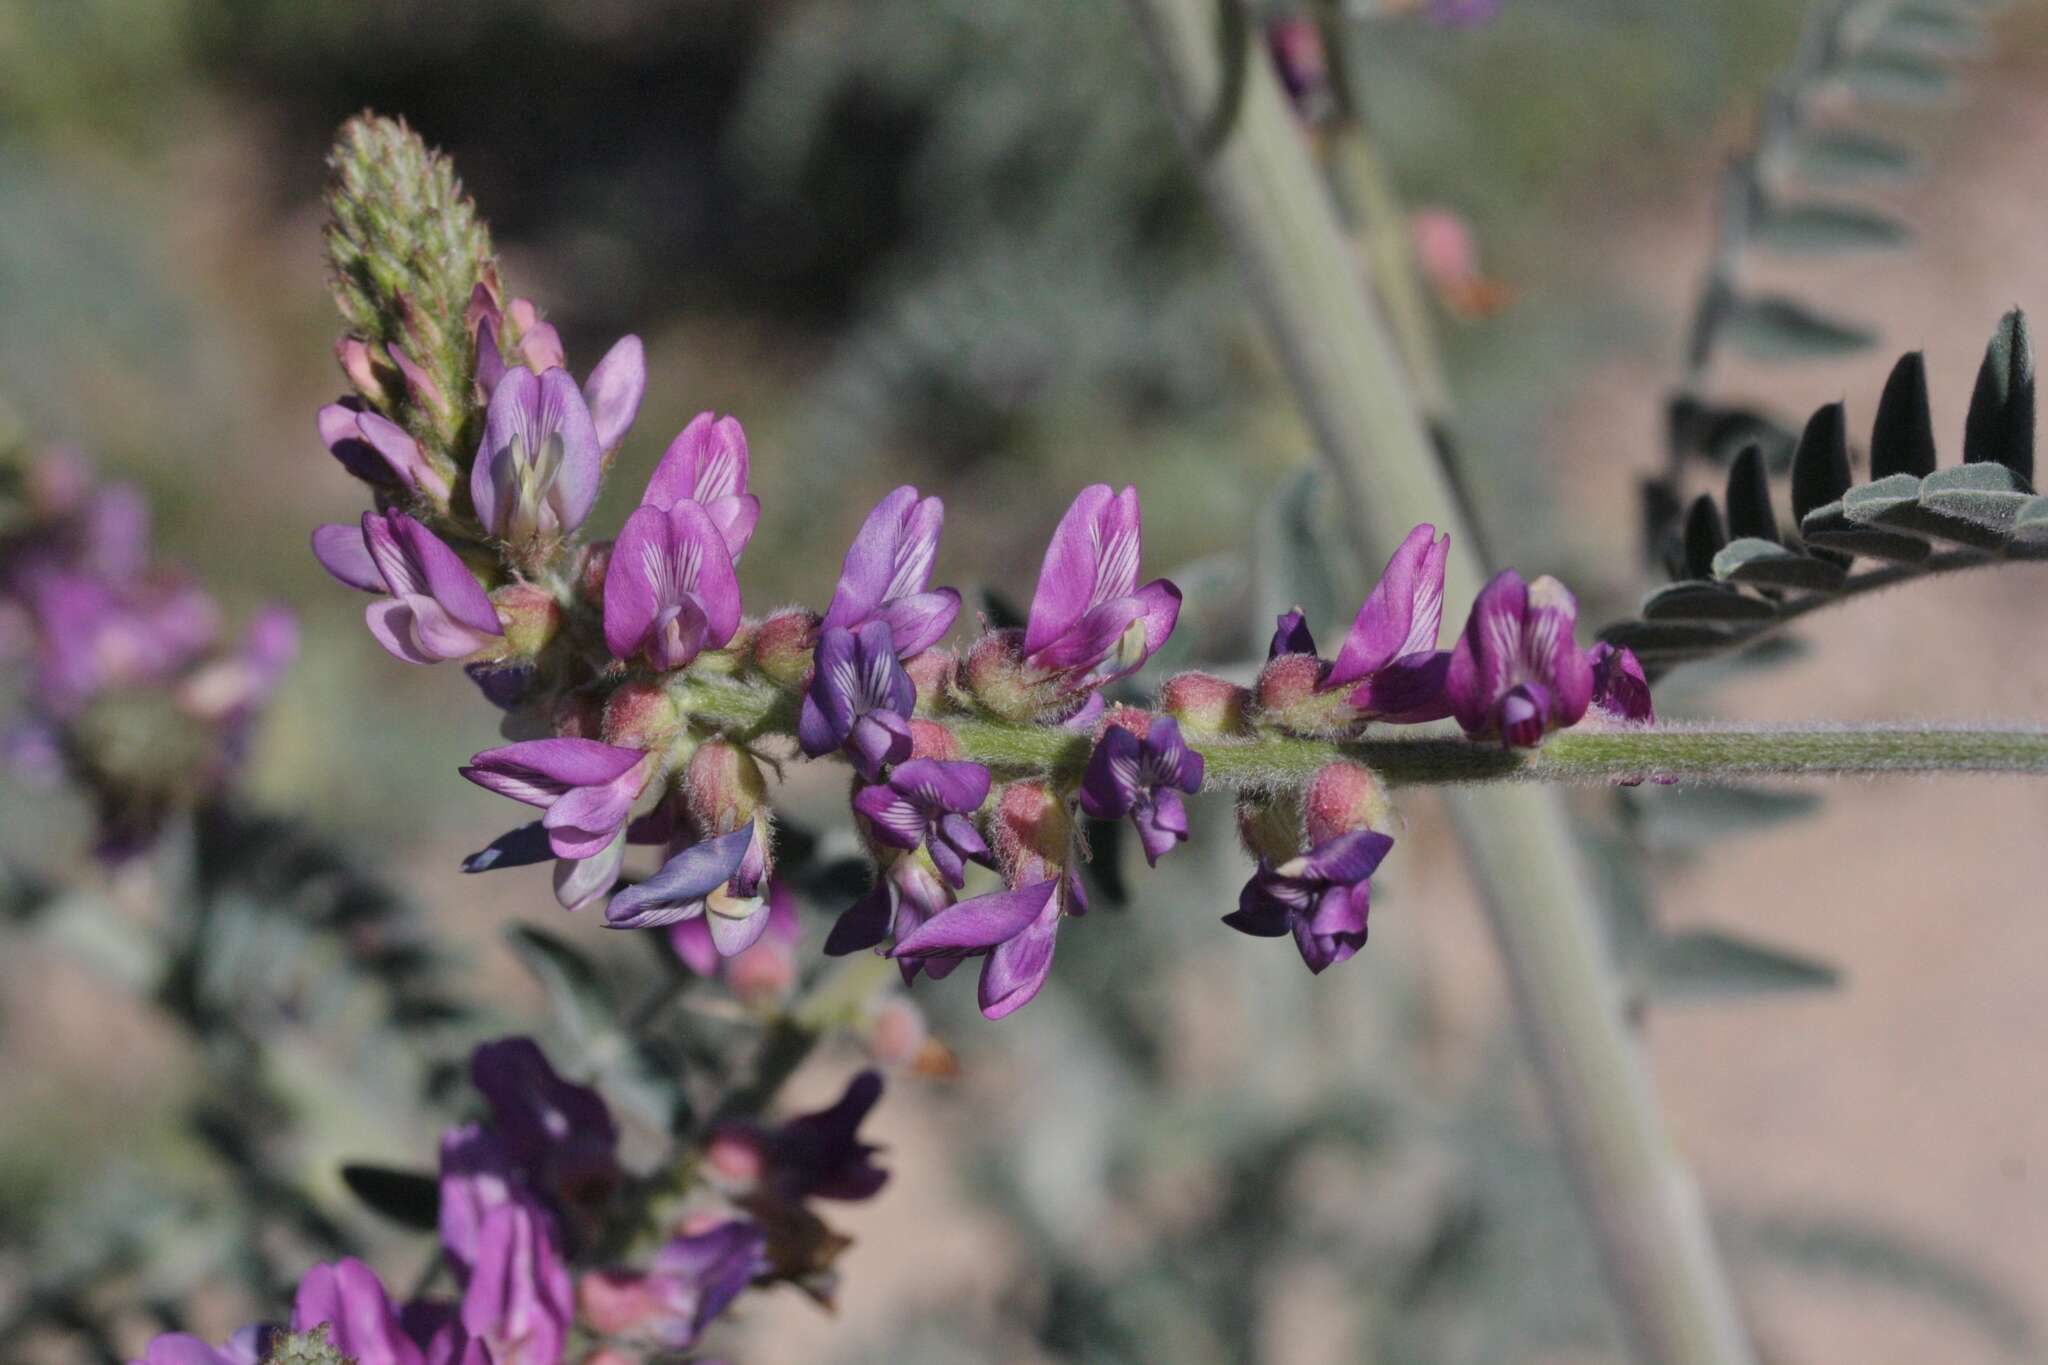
(1322, 897)
(860, 699)
(1516, 672)
(670, 589)
(1389, 661)
(538, 469)
(436, 609)
(379, 451)
(587, 787)
(720, 878)
(887, 572)
(930, 802)
(1620, 687)
(707, 464)
(1144, 779)
(1090, 620)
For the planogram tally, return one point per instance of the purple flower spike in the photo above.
(670, 587)
(520, 1301)
(1516, 672)
(557, 1132)
(586, 787)
(709, 876)
(887, 570)
(361, 1322)
(378, 451)
(927, 801)
(1291, 636)
(707, 464)
(537, 472)
(1089, 618)
(613, 391)
(1390, 660)
(821, 1156)
(1014, 929)
(1144, 779)
(436, 609)
(1620, 687)
(1322, 897)
(860, 699)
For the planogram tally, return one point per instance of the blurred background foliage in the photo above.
(950, 242)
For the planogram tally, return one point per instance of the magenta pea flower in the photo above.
(538, 469)
(362, 1323)
(436, 609)
(721, 879)
(612, 391)
(379, 451)
(1090, 620)
(860, 699)
(930, 802)
(1144, 779)
(903, 898)
(1620, 687)
(670, 589)
(688, 1282)
(1013, 932)
(559, 1134)
(586, 787)
(887, 572)
(1516, 672)
(1389, 660)
(250, 1346)
(1322, 897)
(519, 1300)
(707, 464)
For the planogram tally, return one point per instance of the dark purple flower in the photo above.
(887, 571)
(670, 588)
(1013, 931)
(537, 471)
(247, 1347)
(1620, 688)
(379, 451)
(1089, 618)
(1291, 636)
(1322, 898)
(721, 878)
(930, 802)
(860, 699)
(1516, 671)
(361, 1321)
(687, 1284)
(557, 1132)
(820, 1155)
(519, 1300)
(436, 609)
(904, 896)
(707, 464)
(1144, 779)
(1389, 661)
(587, 788)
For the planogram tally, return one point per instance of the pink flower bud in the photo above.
(595, 560)
(783, 645)
(723, 786)
(736, 1157)
(931, 671)
(640, 715)
(360, 364)
(1342, 799)
(1205, 705)
(897, 1032)
(1270, 826)
(530, 616)
(1034, 833)
(1287, 695)
(996, 674)
(929, 739)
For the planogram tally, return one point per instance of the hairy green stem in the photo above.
(1667, 1282)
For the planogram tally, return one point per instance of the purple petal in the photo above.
(582, 821)
(613, 391)
(447, 579)
(348, 1296)
(1346, 859)
(562, 411)
(1162, 826)
(865, 923)
(1401, 615)
(476, 1177)
(398, 450)
(1620, 686)
(977, 925)
(1551, 653)
(735, 518)
(1291, 636)
(417, 630)
(870, 562)
(341, 551)
(1408, 691)
(921, 621)
(635, 580)
(690, 941)
(1091, 639)
(734, 934)
(1523, 714)
(878, 738)
(896, 821)
(830, 702)
(1488, 649)
(942, 785)
(344, 440)
(1109, 786)
(537, 771)
(580, 882)
(519, 1300)
(678, 889)
(1067, 577)
(1016, 970)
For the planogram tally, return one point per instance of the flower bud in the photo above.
(997, 676)
(736, 1156)
(594, 561)
(361, 366)
(722, 787)
(764, 973)
(929, 739)
(1034, 833)
(531, 617)
(1342, 799)
(783, 645)
(578, 716)
(1270, 826)
(931, 671)
(1206, 705)
(1287, 696)
(1135, 719)
(640, 715)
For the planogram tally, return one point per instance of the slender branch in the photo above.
(1657, 1250)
